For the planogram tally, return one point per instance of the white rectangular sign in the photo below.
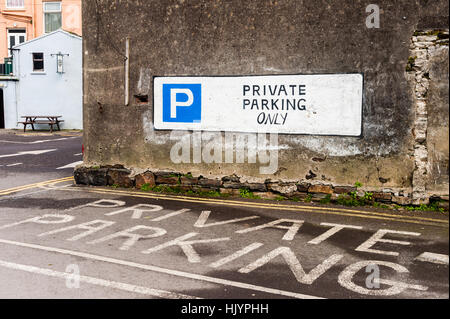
(329, 104)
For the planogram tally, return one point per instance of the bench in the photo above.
(50, 120)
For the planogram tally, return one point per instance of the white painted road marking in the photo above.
(433, 258)
(378, 237)
(78, 154)
(336, 228)
(176, 213)
(186, 246)
(201, 221)
(132, 237)
(60, 219)
(84, 226)
(236, 255)
(177, 273)
(39, 152)
(137, 211)
(108, 203)
(40, 141)
(15, 164)
(98, 282)
(294, 264)
(292, 230)
(71, 165)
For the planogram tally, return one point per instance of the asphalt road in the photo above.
(62, 241)
(44, 157)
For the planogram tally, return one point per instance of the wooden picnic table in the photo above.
(42, 119)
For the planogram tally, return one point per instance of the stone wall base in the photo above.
(120, 176)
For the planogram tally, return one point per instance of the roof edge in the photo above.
(71, 34)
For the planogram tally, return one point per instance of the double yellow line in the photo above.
(240, 203)
(273, 206)
(40, 184)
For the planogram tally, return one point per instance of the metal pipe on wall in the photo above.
(127, 71)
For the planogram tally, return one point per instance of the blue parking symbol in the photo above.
(182, 103)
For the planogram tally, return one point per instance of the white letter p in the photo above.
(174, 103)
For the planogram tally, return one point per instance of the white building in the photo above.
(46, 80)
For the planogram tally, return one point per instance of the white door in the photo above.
(15, 37)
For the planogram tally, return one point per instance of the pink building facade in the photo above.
(23, 20)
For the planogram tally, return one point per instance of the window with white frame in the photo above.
(15, 4)
(52, 16)
(15, 37)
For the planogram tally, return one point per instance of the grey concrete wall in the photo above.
(177, 37)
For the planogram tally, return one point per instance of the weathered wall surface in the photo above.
(438, 116)
(427, 71)
(214, 37)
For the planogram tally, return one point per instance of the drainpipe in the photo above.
(127, 71)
